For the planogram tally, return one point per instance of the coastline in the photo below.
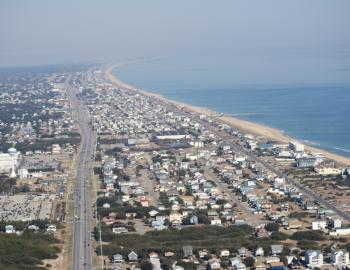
(242, 125)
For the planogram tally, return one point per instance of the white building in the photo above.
(23, 173)
(340, 257)
(10, 229)
(296, 147)
(56, 149)
(314, 258)
(51, 228)
(6, 163)
(336, 223)
(319, 225)
(340, 232)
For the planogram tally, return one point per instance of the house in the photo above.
(215, 221)
(194, 220)
(224, 253)
(175, 216)
(187, 251)
(294, 263)
(132, 257)
(203, 253)
(144, 203)
(240, 266)
(118, 258)
(214, 264)
(271, 259)
(340, 257)
(242, 252)
(10, 229)
(153, 213)
(319, 225)
(119, 230)
(259, 266)
(155, 263)
(33, 227)
(276, 249)
(259, 252)
(51, 228)
(276, 266)
(237, 264)
(314, 258)
(153, 255)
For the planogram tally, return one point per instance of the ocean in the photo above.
(316, 111)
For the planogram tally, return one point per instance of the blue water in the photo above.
(316, 111)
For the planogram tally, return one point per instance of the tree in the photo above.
(272, 227)
(279, 236)
(146, 265)
(249, 261)
(308, 235)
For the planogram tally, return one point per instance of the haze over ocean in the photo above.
(306, 97)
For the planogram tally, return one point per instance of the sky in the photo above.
(41, 32)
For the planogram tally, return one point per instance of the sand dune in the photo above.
(242, 125)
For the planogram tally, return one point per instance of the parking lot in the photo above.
(25, 207)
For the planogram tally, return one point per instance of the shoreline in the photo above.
(242, 125)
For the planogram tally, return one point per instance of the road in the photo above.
(81, 246)
(250, 218)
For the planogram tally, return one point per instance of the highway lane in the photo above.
(81, 246)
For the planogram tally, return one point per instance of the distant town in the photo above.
(101, 176)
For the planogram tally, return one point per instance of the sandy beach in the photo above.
(242, 125)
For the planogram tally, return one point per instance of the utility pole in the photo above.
(101, 249)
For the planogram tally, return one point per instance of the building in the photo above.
(319, 225)
(6, 162)
(328, 171)
(335, 223)
(340, 257)
(10, 229)
(56, 149)
(305, 162)
(172, 135)
(314, 258)
(296, 147)
(340, 232)
(132, 257)
(187, 251)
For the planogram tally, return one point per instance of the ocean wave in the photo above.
(311, 143)
(342, 149)
(244, 114)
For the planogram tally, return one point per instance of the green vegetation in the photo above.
(308, 235)
(6, 183)
(272, 227)
(212, 238)
(279, 236)
(120, 209)
(307, 244)
(298, 215)
(26, 251)
(45, 144)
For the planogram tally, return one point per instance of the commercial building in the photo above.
(340, 257)
(314, 258)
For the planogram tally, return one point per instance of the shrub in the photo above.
(272, 227)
